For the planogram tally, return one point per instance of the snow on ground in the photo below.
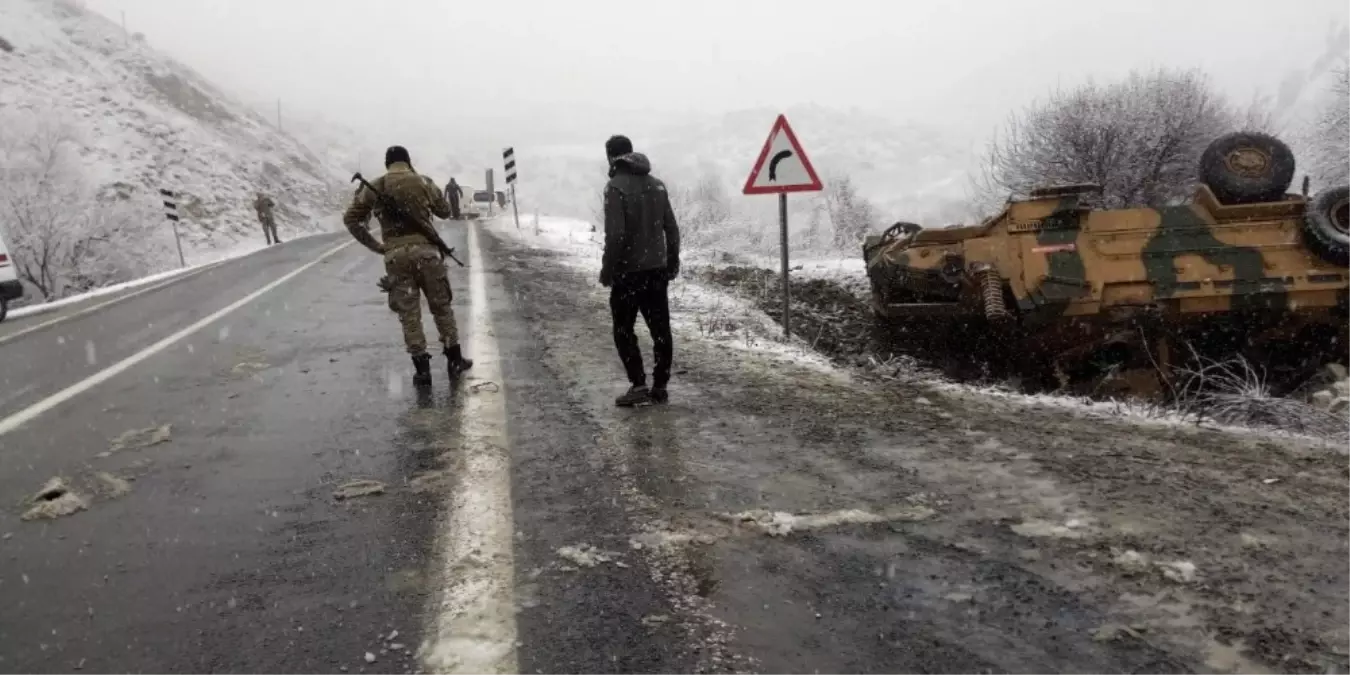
(31, 310)
(711, 312)
(138, 121)
(1135, 412)
(254, 241)
(578, 241)
(849, 272)
(696, 308)
(197, 262)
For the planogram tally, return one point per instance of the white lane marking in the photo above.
(94, 308)
(18, 419)
(474, 627)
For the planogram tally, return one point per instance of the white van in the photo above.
(485, 201)
(476, 203)
(10, 288)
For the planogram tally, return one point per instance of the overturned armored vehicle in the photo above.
(1055, 286)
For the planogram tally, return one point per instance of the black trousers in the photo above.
(645, 293)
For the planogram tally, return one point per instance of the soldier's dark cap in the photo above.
(396, 153)
(617, 146)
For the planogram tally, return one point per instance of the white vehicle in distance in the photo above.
(10, 288)
(484, 201)
(469, 209)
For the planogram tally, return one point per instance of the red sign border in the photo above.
(782, 124)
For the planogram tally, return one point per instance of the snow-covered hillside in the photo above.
(906, 170)
(138, 121)
(903, 168)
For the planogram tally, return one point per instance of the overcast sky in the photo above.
(553, 64)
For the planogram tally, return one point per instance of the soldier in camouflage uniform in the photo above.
(454, 193)
(263, 205)
(413, 264)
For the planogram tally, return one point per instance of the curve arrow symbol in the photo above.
(773, 163)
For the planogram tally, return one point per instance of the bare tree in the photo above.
(708, 205)
(702, 210)
(1331, 131)
(38, 185)
(815, 224)
(1140, 138)
(63, 238)
(851, 216)
(682, 203)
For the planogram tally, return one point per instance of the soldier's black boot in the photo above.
(456, 363)
(422, 378)
(636, 395)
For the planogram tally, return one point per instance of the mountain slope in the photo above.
(909, 171)
(139, 121)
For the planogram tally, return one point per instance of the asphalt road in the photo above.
(528, 525)
(228, 553)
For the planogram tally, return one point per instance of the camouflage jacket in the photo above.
(640, 229)
(263, 205)
(419, 197)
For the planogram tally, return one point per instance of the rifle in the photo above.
(392, 207)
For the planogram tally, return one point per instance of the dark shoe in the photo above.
(422, 364)
(659, 394)
(636, 395)
(456, 363)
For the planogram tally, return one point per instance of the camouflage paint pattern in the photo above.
(1060, 259)
(263, 206)
(418, 195)
(415, 270)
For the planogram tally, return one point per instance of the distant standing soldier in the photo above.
(642, 256)
(263, 205)
(414, 265)
(453, 193)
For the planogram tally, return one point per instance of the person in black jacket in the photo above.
(642, 255)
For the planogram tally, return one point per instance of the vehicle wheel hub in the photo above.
(1339, 215)
(1249, 162)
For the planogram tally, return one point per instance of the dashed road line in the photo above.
(97, 306)
(26, 415)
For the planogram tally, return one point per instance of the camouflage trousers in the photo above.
(269, 225)
(414, 271)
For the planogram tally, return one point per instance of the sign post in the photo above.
(509, 162)
(782, 167)
(171, 214)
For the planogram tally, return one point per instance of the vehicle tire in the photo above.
(1326, 225)
(4, 308)
(1247, 166)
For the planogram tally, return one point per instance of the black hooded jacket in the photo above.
(640, 229)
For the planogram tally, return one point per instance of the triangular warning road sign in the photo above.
(782, 166)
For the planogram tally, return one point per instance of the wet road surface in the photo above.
(772, 517)
(739, 439)
(228, 552)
